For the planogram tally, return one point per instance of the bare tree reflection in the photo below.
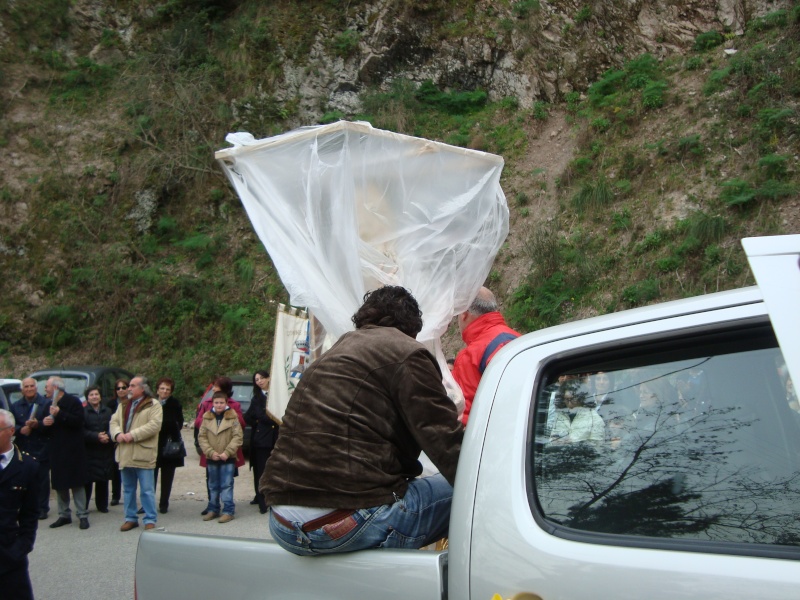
(672, 471)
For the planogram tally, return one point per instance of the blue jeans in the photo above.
(220, 486)
(419, 519)
(147, 493)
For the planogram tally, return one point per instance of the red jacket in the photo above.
(485, 331)
(203, 408)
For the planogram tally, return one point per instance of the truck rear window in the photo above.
(696, 439)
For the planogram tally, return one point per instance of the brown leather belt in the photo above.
(331, 517)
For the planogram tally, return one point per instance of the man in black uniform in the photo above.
(33, 437)
(19, 512)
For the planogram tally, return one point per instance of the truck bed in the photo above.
(176, 566)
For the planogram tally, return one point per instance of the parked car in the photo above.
(243, 394)
(10, 392)
(77, 379)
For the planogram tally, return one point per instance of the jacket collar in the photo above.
(38, 399)
(145, 401)
(13, 464)
(475, 329)
(228, 414)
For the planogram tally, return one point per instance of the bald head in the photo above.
(55, 388)
(485, 302)
(6, 430)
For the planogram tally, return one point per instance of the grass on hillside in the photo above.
(143, 257)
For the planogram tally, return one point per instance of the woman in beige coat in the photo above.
(220, 437)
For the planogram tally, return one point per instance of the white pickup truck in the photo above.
(690, 488)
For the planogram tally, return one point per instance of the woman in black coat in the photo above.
(99, 448)
(121, 390)
(265, 432)
(171, 426)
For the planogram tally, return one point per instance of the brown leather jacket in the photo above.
(355, 425)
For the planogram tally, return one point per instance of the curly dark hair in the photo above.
(390, 306)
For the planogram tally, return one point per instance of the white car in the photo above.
(10, 392)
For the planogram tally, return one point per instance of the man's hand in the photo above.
(125, 438)
(103, 438)
(223, 456)
(25, 430)
(54, 410)
(32, 423)
(48, 421)
(215, 456)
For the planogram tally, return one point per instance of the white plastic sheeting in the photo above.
(345, 208)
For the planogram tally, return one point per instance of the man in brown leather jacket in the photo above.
(344, 474)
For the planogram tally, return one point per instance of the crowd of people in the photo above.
(122, 446)
(345, 471)
(75, 443)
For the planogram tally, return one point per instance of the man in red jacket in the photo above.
(484, 331)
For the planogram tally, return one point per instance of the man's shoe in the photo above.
(128, 525)
(204, 512)
(114, 502)
(163, 509)
(84, 523)
(42, 515)
(149, 526)
(254, 500)
(226, 518)
(263, 510)
(140, 511)
(60, 522)
(103, 510)
(210, 516)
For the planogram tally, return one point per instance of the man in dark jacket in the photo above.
(67, 453)
(344, 474)
(18, 518)
(33, 438)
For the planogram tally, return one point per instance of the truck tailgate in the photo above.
(177, 566)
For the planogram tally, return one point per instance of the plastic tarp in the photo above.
(346, 208)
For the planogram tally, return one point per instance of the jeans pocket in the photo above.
(395, 539)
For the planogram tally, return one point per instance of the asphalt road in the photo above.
(98, 563)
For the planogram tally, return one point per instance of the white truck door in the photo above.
(775, 262)
(690, 490)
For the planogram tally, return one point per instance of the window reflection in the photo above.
(706, 449)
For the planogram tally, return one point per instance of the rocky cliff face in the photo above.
(531, 50)
(540, 53)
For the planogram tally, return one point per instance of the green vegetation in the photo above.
(141, 256)
(345, 44)
(523, 8)
(593, 196)
(583, 15)
(708, 40)
(739, 137)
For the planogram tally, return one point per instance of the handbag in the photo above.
(173, 448)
